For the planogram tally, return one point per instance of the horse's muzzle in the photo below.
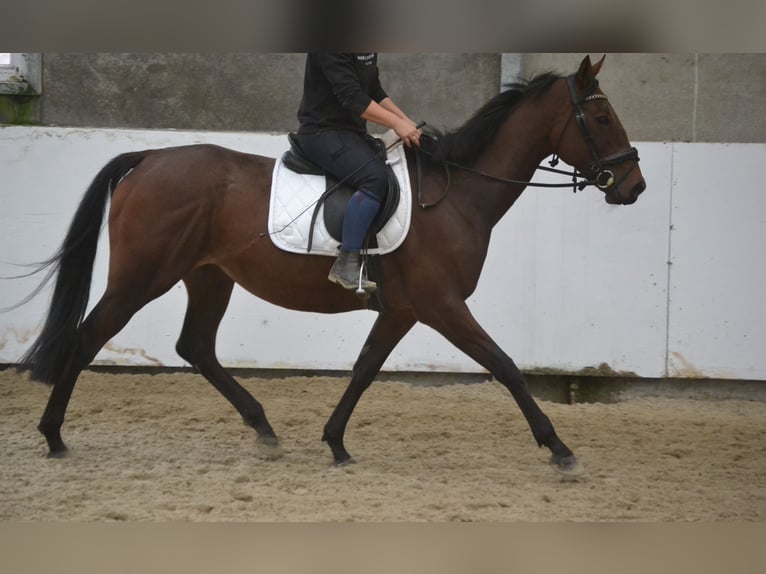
(618, 195)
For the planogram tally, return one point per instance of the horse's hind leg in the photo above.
(53, 416)
(106, 319)
(209, 291)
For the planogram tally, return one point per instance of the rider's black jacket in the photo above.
(337, 88)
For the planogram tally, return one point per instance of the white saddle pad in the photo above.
(294, 196)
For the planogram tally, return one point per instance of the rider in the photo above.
(340, 93)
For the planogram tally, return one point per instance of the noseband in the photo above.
(604, 179)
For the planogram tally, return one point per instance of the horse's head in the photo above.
(597, 145)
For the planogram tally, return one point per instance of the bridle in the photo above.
(604, 177)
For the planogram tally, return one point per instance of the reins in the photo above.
(577, 183)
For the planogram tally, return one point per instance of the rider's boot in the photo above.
(346, 270)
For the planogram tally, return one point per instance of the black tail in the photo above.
(73, 265)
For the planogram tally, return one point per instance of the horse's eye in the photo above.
(603, 120)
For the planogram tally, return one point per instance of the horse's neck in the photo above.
(520, 146)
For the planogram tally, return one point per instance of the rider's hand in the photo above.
(408, 132)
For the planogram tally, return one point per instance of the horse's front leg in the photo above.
(387, 331)
(458, 325)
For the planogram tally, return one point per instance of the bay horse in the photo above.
(197, 214)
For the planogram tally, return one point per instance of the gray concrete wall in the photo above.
(243, 92)
(237, 92)
(659, 97)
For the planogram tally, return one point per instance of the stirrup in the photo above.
(360, 289)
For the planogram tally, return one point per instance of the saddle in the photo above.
(337, 194)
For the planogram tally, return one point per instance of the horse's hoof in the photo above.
(567, 465)
(269, 447)
(343, 463)
(58, 453)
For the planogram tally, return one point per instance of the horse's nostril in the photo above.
(639, 188)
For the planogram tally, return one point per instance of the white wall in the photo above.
(667, 287)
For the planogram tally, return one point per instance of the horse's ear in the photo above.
(597, 66)
(587, 73)
(583, 76)
(585, 65)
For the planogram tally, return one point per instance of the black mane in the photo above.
(465, 144)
